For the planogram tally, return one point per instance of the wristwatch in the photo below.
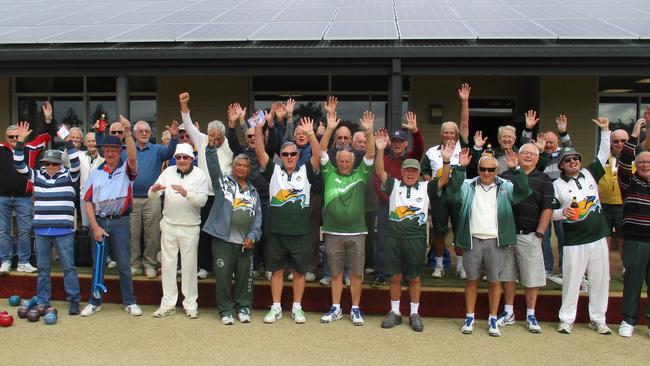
(539, 235)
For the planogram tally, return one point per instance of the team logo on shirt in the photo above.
(288, 195)
(243, 204)
(588, 205)
(402, 213)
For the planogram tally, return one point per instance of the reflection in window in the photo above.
(621, 115)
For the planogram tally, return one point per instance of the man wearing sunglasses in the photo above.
(288, 241)
(16, 192)
(486, 225)
(585, 247)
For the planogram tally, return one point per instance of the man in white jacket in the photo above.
(186, 191)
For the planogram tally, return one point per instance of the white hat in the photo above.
(184, 149)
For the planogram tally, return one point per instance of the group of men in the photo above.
(227, 206)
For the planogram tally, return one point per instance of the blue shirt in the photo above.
(150, 159)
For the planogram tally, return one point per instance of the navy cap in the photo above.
(112, 141)
(399, 134)
(53, 156)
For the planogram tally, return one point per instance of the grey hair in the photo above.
(288, 143)
(217, 125)
(506, 128)
(449, 123)
(11, 128)
(531, 145)
(140, 124)
(488, 157)
(241, 156)
(346, 148)
(77, 129)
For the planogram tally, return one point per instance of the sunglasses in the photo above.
(287, 154)
(250, 136)
(483, 169)
(621, 141)
(49, 163)
(569, 159)
(117, 132)
(12, 137)
(182, 157)
(342, 138)
(183, 137)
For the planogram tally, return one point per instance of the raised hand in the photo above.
(126, 124)
(411, 122)
(268, 116)
(447, 151)
(330, 105)
(184, 100)
(233, 114)
(157, 187)
(540, 142)
(367, 121)
(464, 91)
(511, 159)
(479, 141)
(179, 189)
(23, 131)
(602, 122)
(332, 121)
(638, 126)
(47, 112)
(321, 129)
(280, 111)
(464, 157)
(531, 119)
(306, 125)
(291, 104)
(381, 139)
(173, 129)
(561, 122)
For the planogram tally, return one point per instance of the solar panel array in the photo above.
(98, 21)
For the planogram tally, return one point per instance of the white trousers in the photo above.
(592, 258)
(175, 238)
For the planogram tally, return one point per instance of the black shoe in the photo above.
(74, 308)
(416, 323)
(391, 320)
(378, 282)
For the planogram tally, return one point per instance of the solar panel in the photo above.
(168, 5)
(114, 8)
(155, 33)
(440, 29)
(248, 15)
(508, 29)
(584, 29)
(89, 34)
(191, 16)
(305, 15)
(33, 19)
(75, 19)
(358, 3)
(362, 30)
(637, 26)
(136, 17)
(486, 12)
(532, 2)
(400, 3)
(213, 4)
(426, 13)
(365, 14)
(277, 31)
(76, 7)
(4, 30)
(610, 12)
(265, 4)
(548, 12)
(315, 3)
(221, 32)
(475, 2)
(32, 34)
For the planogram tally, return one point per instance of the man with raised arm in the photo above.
(406, 241)
(344, 225)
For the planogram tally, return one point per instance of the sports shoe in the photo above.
(110, 263)
(192, 314)
(227, 319)
(369, 271)
(346, 281)
(90, 310)
(584, 286)
(5, 268)
(392, 319)
(244, 315)
(625, 329)
(461, 273)
(564, 327)
(136, 271)
(162, 312)
(493, 328)
(202, 274)
(505, 319)
(325, 281)
(73, 308)
(310, 277)
(555, 278)
(332, 315)
(468, 325)
(416, 322)
(532, 324)
(355, 315)
(379, 282)
(150, 273)
(298, 316)
(133, 309)
(438, 272)
(290, 276)
(601, 328)
(26, 267)
(273, 315)
(268, 275)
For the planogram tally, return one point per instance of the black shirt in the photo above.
(528, 211)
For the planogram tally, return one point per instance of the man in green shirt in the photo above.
(288, 240)
(344, 224)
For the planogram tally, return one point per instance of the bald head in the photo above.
(618, 138)
(642, 162)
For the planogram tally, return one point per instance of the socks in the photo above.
(296, 306)
(394, 307)
(491, 317)
(439, 262)
(469, 315)
(459, 262)
(337, 306)
(530, 312)
(508, 309)
(277, 305)
(414, 308)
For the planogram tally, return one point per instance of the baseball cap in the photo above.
(53, 156)
(399, 134)
(111, 140)
(411, 163)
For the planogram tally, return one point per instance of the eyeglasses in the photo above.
(117, 132)
(569, 159)
(342, 137)
(144, 132)
(182, 157)
(287, 154)
(49, 163)
(642, 162)
(483, 169)
(530, 153)
(621, 141)
(12, 137)
(250, 136)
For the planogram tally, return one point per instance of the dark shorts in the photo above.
(286, 252)
(614, 217)
(441, 214)
(404, 256)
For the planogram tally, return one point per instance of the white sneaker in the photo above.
(290, 276)
(601, 328)
(310, 277)
(625, 329)
(584, 286)
(346, 281)
(461, 273)
(325, 281)
(355, 316)
(90, 310)
(332, 315)
(202, 274)
(244, 316)
(162, 312)
(298, 316)
(150, 273)
(134, 310)
(438, 272)
(111, 264)
(227, 319)
(136, 271)
(5, 268)
(493, 328)
(564, 327)
(369, 271)
(555, 278)
(268, 275)
(468, 325)
(192, 314)
(273, 315)
(26, 267)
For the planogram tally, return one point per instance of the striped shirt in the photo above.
(636, 196)
(53, 194)
(111, 192)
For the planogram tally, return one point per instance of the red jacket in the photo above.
(12, 182)
(393, 165)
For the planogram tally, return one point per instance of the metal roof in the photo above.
(153, 21)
